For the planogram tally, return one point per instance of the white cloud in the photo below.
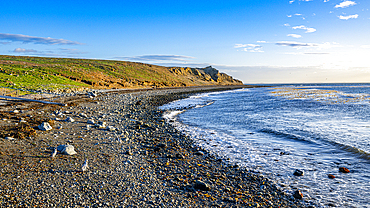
(37, 40)
(289, 15)
(355, 16)
(261, 41)
(345, 4)
(294, 35)
(308, 29)
(249, 47)
(22, 50)
(365, 46)
(287, 25)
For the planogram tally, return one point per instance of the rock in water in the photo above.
(298, 195)
(298, 173)
(85, 166)
(200, 185)
(45, 126)
(343, 170)
(331, 176)
(66, 149)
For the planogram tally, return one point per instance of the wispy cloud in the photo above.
(316, 53)
(355, 16)
(308, 29)
(316, 46)
(292, 1)
(37, 40)
(298, 15)
(157, 58)
(296, 44)
(294, 35)
(365, 46)
(22, 50)
(71, 51)
(261, 41)
(61, 52)
(4, 43)
(328, 45)
(249, 47)
(345, 4)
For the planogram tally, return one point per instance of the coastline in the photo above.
(145, 162)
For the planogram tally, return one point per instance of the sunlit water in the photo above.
(274, 131)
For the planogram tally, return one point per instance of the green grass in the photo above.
(38, 73)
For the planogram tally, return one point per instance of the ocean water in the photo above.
(275, 130)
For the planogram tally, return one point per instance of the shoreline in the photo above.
(145, 162)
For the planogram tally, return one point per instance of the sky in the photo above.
(256, 41)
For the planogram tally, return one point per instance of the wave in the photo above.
(355, 151)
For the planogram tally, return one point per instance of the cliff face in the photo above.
(207, 74)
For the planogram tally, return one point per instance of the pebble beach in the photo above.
(134, 158)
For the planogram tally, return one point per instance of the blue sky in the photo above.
(257, 41)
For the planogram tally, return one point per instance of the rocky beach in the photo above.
(114, 149)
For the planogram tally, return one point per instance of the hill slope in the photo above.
(36, 73)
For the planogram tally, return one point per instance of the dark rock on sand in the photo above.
(200, 185)
(298, 195)
(298, 172)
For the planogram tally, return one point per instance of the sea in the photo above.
(274, 131)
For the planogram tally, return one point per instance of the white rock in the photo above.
(66, 149)
(91, 121)
(85, 166)
(111, 128)
(55, 151)
(45, 126)
(9, 138)
(83, 115)
(69, 119)
(101, 125)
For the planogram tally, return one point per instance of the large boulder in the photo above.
(66, 149)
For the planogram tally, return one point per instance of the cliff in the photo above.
(207, 74)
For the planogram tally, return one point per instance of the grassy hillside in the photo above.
(63, 74)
